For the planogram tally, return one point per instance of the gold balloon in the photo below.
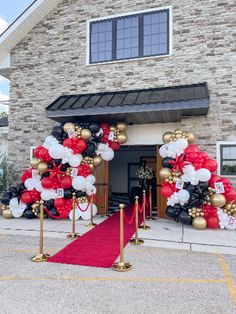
(42, 167)
(92, 167)
(86, 134)
(112, 128)
(97, 160)
(122, 138)
(190, 137)
(7, 214)
(165, 173)
(69, 126)
(178, 131)
(218, 200)
(122, 126)
(199, 223)
(166, 137)
(34, 162)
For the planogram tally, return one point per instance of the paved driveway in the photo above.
(161, 281)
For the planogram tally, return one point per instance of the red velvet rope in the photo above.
(101, 201)
(129, 222)
(89, 202)
(53, 216)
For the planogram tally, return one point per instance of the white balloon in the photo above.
(16, 213)
(108, 154)
(75, 160)
(48, 194)
(183, 196)
(38, 186)
(13, 203)
(203, 174)
(29, 184)
(79, 183)
(86, 215)
(67, 154)
(77, 214)
(56, 151)
(50, 141)
(181, 143)
(91, 190)
(91, 179)
(163, 151)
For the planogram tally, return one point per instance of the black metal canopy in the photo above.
(154, 105)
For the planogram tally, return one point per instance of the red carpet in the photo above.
(100, 246)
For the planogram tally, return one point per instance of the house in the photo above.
(158, 65)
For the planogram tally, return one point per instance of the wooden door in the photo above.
(161, 200)
(101, 175)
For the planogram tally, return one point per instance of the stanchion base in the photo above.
(40, 258)
(107, 215)
(151, 218)
(121, 266)
(91, 224)
(136, 242)
(72, 235)
(144, 227)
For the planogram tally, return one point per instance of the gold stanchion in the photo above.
(73, 234)
(91, 223)
(150, 204)
(105, 204)
(136, 241)
(121, 266)
(41, 257)
(144, 226)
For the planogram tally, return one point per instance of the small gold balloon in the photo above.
(69, 126)
(34, 206)
(199, 223)
(178, 131)
(97, 160)
(190, 137)
(166, 137)
(7, 214)
(218, 200)
(34, 162)
(121, 126)
(112, 128)
(42, 167)
(122, 138)
(91, 167)
(86, 134)
(165, 173)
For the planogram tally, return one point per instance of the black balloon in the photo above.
(65, 166)
(94, 128)
(53, 211)
(171, 212)
(185, 218)
(90, 151)
(57, 162)
(29, 214)
(80, 193)
(203, 185)
(6, 197)
(49, 204)
(57, 131)
(67, 193)
(20, 188)
(166, 164)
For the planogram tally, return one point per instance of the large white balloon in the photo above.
(183, 196)
(163, 151)
(56, 151)
(13, 203)
(181, 143)
(16, 213)
(79, 183)
(48, 194)
(75, 160)
(50, 141)
(203, 174)
(91, 179)
(108, 154)
(86, 215)
(29, 184)
(77, 214)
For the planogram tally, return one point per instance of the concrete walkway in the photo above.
(163, 234)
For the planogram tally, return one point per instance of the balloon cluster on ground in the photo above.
(195, 194)
(63, 165)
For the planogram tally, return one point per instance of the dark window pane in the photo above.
(155, 33)
(127, 37)
(101, 41)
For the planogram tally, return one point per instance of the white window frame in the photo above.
(218, 145)
(31, 151)
(130, 14)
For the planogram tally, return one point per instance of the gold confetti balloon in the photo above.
(199, 223)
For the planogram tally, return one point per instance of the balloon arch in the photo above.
(65, 162)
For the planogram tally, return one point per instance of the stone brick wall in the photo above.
(51, 61)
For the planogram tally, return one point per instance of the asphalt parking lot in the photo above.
(161, 281)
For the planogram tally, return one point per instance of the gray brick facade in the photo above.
(51, 61)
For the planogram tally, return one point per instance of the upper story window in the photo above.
(227, 158)
(136, 35)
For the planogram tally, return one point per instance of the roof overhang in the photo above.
(170, 105)
(22, 25)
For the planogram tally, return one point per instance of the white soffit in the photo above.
(23, 24)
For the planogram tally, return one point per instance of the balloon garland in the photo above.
(195, 194)
(64, 165)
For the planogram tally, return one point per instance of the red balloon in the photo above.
(212, 222)
(35, 195)
(211, 165)
(46, 183)
(60, 202)
(84, 170)
(105, 126)
(27, 174)
(68, 143)
(114, 145)
(66, 182)
(37, 150)
(44, 155)
(192, 148)
(167, 190)
(231, 195)
(26, 197)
